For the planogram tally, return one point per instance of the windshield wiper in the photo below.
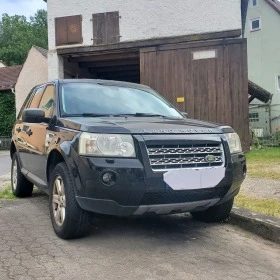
(88, 115)
(145, 115)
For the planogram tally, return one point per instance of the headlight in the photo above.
(234, 142)
(111, 145)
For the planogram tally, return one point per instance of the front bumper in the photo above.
(138, 190)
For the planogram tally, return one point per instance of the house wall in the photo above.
(264, 60)
(146, 19)
(214, 89)
(34, 72)
(2, 64)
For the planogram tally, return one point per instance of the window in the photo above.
(106, 28)
(255, 24)
(36, 98)
(47, 102)
(278, 83)
(68, 30)
(253, 117)
(254, 2)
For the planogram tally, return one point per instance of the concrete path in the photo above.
(5, 162)
(172, 247)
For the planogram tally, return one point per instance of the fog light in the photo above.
(109, 178)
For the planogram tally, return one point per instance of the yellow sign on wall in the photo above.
(180, 99)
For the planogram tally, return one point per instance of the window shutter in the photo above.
(68, 30)
(113, 27)
(60, 31)
(106, 28)
(99, 29)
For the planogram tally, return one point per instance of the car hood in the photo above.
(140, 125)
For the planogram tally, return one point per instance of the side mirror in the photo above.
(186, 115)
(34, 116)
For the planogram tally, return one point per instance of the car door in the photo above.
(36, 135)
(22, 128)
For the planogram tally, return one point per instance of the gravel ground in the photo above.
(261, 188)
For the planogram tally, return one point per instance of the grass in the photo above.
(264, 163)
(269, 207)
(7, 193)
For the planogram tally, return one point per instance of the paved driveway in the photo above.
(174, 247)
(5, 162)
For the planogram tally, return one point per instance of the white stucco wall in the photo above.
(34, 72)
(2, 64)
(146, 19)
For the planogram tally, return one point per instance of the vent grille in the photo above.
(166, 157)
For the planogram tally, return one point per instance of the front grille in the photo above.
(166, 157)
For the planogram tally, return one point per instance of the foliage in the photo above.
(17, 35)
(264, 206)
(264, 163)
(7, 113)
(7, 193)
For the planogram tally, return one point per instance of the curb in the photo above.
(265, 226)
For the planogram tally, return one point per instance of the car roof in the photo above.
(105, 82)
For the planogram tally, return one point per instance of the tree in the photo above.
(17, 35)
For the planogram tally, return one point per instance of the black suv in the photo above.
(121, 149)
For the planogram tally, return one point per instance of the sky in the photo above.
(21, 7)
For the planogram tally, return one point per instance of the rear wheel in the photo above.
(215, 213)
(21, 187)
(68, 219)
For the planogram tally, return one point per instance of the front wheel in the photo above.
(68, 219)
(215, 213)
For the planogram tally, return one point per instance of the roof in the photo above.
(274, 4)
(9, 76)
(1, 61)
(44, 52)
(259, 93)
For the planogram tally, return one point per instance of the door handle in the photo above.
(29, 132)
(18, 129)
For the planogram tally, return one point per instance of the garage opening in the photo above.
(120, 66)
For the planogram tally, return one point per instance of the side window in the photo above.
(48, 101)
(36, 98)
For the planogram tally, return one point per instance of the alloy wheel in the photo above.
(58, 201)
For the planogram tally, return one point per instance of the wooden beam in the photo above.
(118, 68)
(109, 63)
(105, 57)
(148, 43)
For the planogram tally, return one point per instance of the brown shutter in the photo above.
(68, 30)
(106, 28)
(60, 31)
(74, 29)
(113, 27)
(99, 29)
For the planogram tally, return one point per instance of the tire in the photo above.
(68, 219)
(21, 187)
(215, 213)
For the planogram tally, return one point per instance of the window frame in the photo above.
(255, 1)
(251, 24)
(254, 119)
(277, 83)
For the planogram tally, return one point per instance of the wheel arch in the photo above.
(55, 157)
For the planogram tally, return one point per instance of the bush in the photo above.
(7, 113)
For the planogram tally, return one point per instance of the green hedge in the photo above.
(7, 113)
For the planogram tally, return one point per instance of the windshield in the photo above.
(78, 99)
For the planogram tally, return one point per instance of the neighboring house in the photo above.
(191, 51)
(263, 40)
(2, 64)
(8, 77)
(34, 72)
